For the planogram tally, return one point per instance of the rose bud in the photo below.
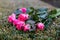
(23, 17)
(23, 10)
(26, 27)
(11, 18)
(20, 25)
(40, 26)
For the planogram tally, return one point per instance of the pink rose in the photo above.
(13, 15)
(27, 27)
(15, 22)
(23, 17)
(20, 25)
(11, 18)
(40, 26)
(23, 10)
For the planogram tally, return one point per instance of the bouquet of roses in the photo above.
(30, 19)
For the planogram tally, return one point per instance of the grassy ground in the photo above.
(8, 31)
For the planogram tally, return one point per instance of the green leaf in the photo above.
(43, 9)
(42, 14)
(47, 22)
(43, 20)
(57, 14)
(53, 12)
(32, 23)
(17, 11)
(54, 15)
(35, 17)
(31, 10)
(51, 16)
(58, 10)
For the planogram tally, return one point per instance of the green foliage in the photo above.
(42, 15)
(54, 13)
(17, 11)
(48, 22)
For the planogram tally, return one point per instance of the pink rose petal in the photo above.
(27, 27)
(23, 17)
(20, 24)
(11, 18)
